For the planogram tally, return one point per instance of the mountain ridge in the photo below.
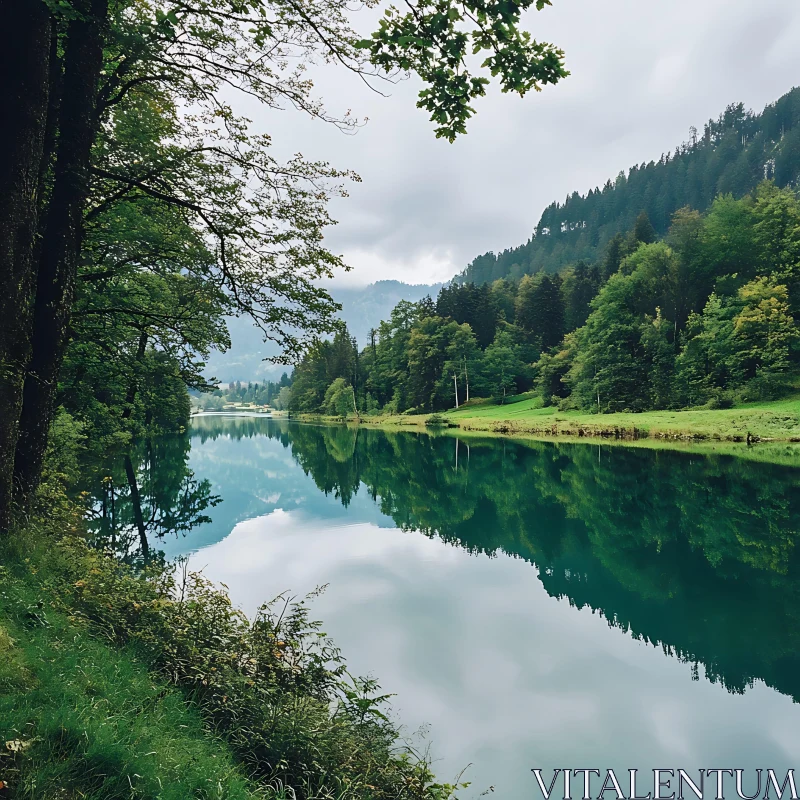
(731, 156)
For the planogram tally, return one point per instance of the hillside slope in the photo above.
(731, 155)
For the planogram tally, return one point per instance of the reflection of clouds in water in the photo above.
(253, 475)
(270, 499)
(507, 676)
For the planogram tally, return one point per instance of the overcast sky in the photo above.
(643, 72)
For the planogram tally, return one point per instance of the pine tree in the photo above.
(615, 252)
(659, 353)
(643, 230)
(540, 309)
(580, 285)
(609, 371)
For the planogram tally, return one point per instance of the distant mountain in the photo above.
(362, 308)
(732, 155)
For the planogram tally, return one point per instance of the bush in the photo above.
(438, 421)
(721, 400)
(276, 688)
(566, 403)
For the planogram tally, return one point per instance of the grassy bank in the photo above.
(151, 685)
(777, 421)
(81, 720)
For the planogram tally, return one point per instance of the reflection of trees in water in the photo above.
(146, 493)
(695, 554)
(211, 426)
(328, 453)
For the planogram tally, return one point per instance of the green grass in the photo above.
(123, 684)
(779, 419)
(775, 425)
(79, 719)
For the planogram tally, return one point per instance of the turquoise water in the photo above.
(542, 605)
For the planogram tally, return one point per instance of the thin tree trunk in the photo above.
(25, 35)
(113, 516)
(133, 387)
(136, 503)
(61, 241)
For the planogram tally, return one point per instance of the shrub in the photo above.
(275, 687)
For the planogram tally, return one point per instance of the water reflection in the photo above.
(538, 604)
(139, 496)
(694, 553)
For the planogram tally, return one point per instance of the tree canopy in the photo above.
(140, 207)
(708, 315)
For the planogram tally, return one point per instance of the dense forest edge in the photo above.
(701, 317)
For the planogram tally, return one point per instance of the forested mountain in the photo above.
(363, 308)
(732, 155)
(706, 315)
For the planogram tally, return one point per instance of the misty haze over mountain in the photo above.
(362, 308)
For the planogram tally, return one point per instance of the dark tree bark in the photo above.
(133, 387)
(136, 504)
(61, 238)
(25, 39)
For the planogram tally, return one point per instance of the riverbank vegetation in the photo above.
(775, 421)
(704, 318)
(749, 422)
(129, 677)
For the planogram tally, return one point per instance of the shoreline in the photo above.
(767, 432)
(775, 421)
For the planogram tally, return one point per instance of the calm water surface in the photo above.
(541, 605)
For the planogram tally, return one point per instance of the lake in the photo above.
(528, 604)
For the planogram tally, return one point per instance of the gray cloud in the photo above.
(642, 73)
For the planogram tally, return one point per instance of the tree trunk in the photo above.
(136, 504)
(83, 58)
(25, 34)
(133, 387)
